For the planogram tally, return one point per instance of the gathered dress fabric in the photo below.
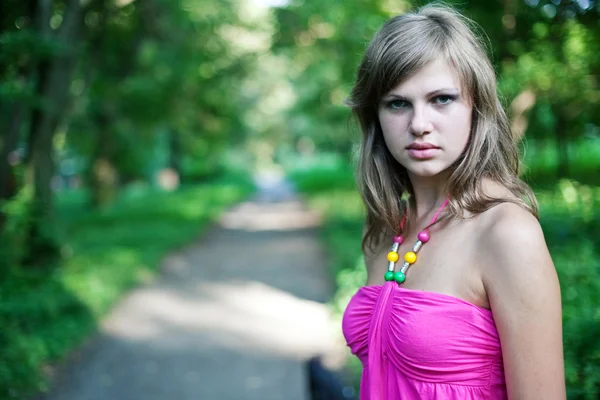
(423, 345)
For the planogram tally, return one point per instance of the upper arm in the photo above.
(522, 286)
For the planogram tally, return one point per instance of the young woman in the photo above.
(462, 299)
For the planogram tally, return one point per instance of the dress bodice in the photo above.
(423, 345)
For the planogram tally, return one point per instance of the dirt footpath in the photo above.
(234, 316)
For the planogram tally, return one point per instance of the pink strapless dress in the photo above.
(423, 345)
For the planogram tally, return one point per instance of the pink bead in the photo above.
(423, 236)
(398, 239)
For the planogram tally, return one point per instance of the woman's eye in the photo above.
(396, 104)
(443, 100)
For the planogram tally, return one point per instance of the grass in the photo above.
(570, 218)
(46, 314)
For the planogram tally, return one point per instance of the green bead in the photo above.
(399, 276)
(389, 276)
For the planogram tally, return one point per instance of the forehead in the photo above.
(434, 76)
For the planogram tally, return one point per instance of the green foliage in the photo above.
(545, 50)
(160, 65)
(41, 321)
(44, 314)
(325, 45)
(570, 217)
(540, 161)
(193, 84)
(312, 175)
(20, 215)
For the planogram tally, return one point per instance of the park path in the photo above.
(234, 316)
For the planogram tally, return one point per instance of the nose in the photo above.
(420, 123)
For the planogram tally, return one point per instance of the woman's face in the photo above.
(426, 120)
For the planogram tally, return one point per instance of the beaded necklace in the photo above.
(411, 256)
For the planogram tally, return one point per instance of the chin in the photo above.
(424, 174)
(426, 170)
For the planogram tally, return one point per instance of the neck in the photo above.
(429, 193)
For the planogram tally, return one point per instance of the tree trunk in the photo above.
(53, 87)
(8, 143)
(13, 111)
(104, 177)
(8, 181)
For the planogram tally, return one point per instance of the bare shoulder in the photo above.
(513, 245)
(508, 225)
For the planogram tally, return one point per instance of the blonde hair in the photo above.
(400, 48)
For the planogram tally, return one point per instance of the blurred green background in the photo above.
(127, 126)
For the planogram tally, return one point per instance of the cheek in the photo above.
(393, 127)
(463, 129)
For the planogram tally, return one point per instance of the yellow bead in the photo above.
(392, 256)
(410, 257)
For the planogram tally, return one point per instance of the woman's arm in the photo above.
(522, 286)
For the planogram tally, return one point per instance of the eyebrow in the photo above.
(430, 94)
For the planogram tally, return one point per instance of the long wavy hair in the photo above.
(404, 45)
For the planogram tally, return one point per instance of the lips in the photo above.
(422, 151)
(421, 146)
